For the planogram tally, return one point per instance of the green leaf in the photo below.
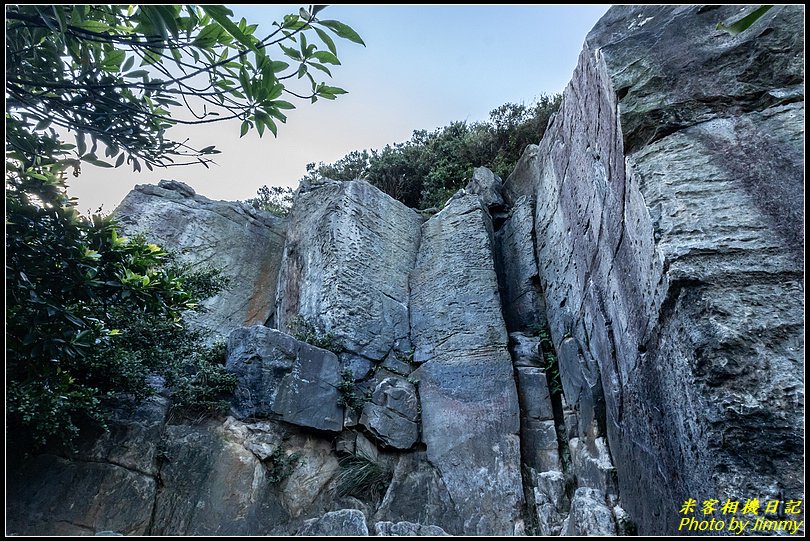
(90, 158)
(128, 64)
(343, 31)
(333, 90)
(317, 9)
(278, 66)
(322, 68)
(244, 129)
(281, 104)
(292, 53)
(327, 40)
(221, 15)
(326, 57)
(120, 161)
(744, 23)
(92, 26)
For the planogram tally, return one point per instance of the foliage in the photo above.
(363, 477)
(89, 315)
(426, 170)
(279, 465)
(274, 199)
(745, 22)
(303, 329)
(347, 392)
(551, 365)
(113, 72)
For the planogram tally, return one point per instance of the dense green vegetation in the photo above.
(90, 313)
(426, 170)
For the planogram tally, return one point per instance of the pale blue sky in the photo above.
(422, 67)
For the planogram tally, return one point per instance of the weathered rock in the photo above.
(49, 495)
(668, 211)
(487, 186)
(391, 415)
(466, 385)
(309, 395)
(244, 242)
(593, 467)
(316, 466)
(523, 304)
(589, 514)
(407, 529)
(348, 522)
(550, 501)
(279, 374)
(417, 494)
(213, 485)
(525, 349)
(535, 398)
(538, 442)
(346, 262)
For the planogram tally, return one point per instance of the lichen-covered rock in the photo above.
(346, 261)
(391, 415)
(346, 522)
(550, 501)
(589, 514)
(487, 186)
(407, 529)
(279, 374)
(244, 242)
(466, 384)
(417, 494)
(668, 224)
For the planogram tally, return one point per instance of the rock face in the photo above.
(615, 329)
(346, 261)
(466, 385)
(244, 242)
(278, 374)
(668, 226)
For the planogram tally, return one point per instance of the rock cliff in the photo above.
(612, 330)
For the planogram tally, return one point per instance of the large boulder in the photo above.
(392, 413)
(244, 242)
(346, 522)
(345, 268)
(278, 374)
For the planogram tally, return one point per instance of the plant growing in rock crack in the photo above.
(279, 465)
(347, 392)
(551, 364)
(305, 330)
(363, 477)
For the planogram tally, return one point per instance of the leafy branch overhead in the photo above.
(112, 74)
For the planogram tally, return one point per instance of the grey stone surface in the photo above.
(346, 522)
(279, 374)
(391, 415)
(346, 262)
(523, 303)
(407, 529)
(486, 185)
(525, 350)
(49, 495)
(538, 442)
(592, 465)
(244, 242)
(213, 485)
(535, 398)
(550, 501)
(589, 514)
(418, 494)
(668, 197)
(466, 385)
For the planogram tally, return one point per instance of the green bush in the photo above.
(425, 171)
(347, 392)
(280, 465)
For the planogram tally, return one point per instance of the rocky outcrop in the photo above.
(345, 267)
(467, 389)
(667, 197)
(613, 330)
(245, 243)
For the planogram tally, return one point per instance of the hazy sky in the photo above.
(422, 67)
